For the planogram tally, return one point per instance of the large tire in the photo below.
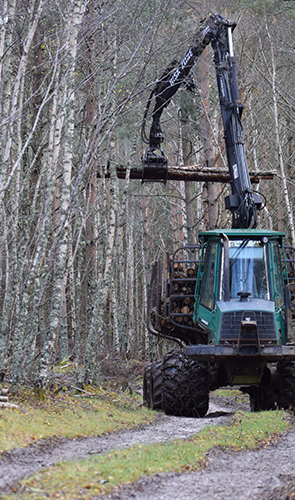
(185, 387)
(156, 385)
(147, 385)
(287, 387)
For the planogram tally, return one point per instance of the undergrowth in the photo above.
(93, 412)
(101, 473)
(232, 394)
(70, 411)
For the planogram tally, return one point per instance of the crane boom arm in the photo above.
(243, 203)
(178, 73)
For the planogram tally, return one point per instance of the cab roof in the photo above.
(243, 233)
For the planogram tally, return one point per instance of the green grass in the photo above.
(233, 394)
(61, 415)
(100, 474)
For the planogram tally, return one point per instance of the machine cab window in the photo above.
(207, 297)
(248, 269)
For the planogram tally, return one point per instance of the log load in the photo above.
(186, 173)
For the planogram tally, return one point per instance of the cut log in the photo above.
(191, 273)
(186, 173)
(9, 405)
(178, 267)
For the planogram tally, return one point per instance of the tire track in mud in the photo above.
(19, 463)
(265, 474)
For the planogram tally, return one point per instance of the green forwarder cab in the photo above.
(242, 304)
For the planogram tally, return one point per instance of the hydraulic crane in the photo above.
(243, 203)
(227, 299)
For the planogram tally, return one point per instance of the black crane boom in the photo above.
(215, 29)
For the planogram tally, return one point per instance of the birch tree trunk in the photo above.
(279, 152)
(12, 113)
(75, 15)
(254, 148)
(8, 258)
(186, 153)
(90, 370)
(148, 337)
(130, 275)
(91, 187)
(209, 190)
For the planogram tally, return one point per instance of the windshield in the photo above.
(247, 268)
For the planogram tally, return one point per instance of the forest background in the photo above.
(77, 243)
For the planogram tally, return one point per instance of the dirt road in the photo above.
(266, 474)
(256, 474)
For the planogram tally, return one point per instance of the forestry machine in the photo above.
(226, 301)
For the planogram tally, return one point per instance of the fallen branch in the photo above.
(81, 390)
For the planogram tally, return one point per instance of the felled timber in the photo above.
(187, 173)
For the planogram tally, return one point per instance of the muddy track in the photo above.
(266, 469)
(266, 474)
(23, 462)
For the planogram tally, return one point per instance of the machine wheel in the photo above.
(156, 385)
(147, 385)
(287, 390)
(185, 387)
(263, 400)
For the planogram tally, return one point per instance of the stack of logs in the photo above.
(4, 400)
(3, 397)
(182, 295)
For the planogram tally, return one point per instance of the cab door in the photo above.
(205, 299)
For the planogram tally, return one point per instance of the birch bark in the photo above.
(12, 114)
(209, 189)
(186, 153)
(75, 16)
(90, 370)
(279, 152)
